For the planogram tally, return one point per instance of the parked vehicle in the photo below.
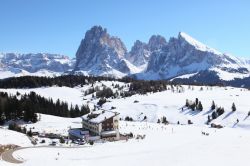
(42, 141)
(53, 143)
(79, 141)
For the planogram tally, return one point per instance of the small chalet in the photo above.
(102, 123)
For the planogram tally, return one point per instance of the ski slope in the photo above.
(12, 137)
(175, 145)
(167, 103)
(164, 144)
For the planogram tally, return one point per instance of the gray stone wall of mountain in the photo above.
(184, 55)
(35, 62)
(156, 42)
(140, 52)
(101, 54)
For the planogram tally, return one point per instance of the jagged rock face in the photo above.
(141, 52)
(100, 53)
(156, 42)
(185, 55)
(35, 62)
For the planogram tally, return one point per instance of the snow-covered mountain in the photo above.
(184, 55)
(181, 59)
(41, 64)
(102, 54)
(141, 52)
(173, 144)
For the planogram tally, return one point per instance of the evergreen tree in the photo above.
(233, 107)
(28, 105)
(213, 105)
(187, 103)
(200, 107)
(71, 111)
(196, 101)
(77, 111)
(164, 120)
(192, 106)
(214, 115)
(208, 119)
(101, 101)
(1, 114)
(85, 110)
(220, 111)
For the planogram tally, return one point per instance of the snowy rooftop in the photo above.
(99, 116)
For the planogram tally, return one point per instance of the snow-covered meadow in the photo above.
(164, 144)
(167, 103)
(12, 137)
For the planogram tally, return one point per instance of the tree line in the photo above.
(142, 87)
(64, 80)
(136, 86)
(25, 107)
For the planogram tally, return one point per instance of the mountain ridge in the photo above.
(101, 54)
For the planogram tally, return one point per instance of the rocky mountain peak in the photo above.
(139, 54)
(156, 42)
(138, 45)
(96, 33)
(185, 55)
(100, 54)
(35, 62)
(184, 38)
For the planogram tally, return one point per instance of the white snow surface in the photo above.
(12, 137)
(171, 145)
(53, 124)
(156, 105)
(185, 76)
(198, 45)
(70, 95)
(7, 73)
(175, 145)
(228, 76)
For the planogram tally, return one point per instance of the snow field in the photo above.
(171, 144)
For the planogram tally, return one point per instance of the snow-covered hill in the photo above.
(185, 55)
(173, 144)
(156, 105)
(13, 137)
(41, 64)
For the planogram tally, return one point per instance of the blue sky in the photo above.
(57, 26)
